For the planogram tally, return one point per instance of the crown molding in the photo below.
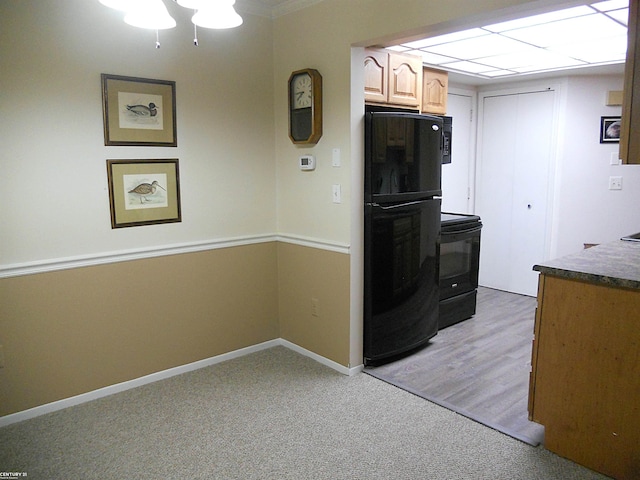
(278, 9)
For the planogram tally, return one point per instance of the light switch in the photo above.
(615, 159)
(335, 157)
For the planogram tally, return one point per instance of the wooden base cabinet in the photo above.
(585, 379)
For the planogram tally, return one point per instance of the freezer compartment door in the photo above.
(403, 156)
(401, 278)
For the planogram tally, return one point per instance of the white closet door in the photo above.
(513, 186)
(457, 175)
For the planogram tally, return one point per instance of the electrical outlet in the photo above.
(615, 183)
(315, 307)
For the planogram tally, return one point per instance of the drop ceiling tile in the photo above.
(450, 37)
(567, 31)
(610, 5)
(621, 16)
(596, 51)
(540, 19)
(477, 47)
(471, 67)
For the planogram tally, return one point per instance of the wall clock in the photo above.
(305, 106)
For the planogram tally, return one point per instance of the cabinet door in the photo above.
(375, 76)
(629, 138)
(435, 85)
(405, 80)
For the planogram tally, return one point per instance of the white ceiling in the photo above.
(613, 65)
(569, 38)
(272, 8)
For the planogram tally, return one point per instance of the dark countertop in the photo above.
(615, 264)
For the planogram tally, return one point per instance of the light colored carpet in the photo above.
(270, 415)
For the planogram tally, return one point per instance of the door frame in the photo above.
(473, 140)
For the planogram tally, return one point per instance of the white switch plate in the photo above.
(337, 195)
(614, 160)
(335, 157)
(615, 183)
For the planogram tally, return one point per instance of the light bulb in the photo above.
(219, 15)
(150, 14)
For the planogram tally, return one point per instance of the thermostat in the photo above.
(307, 162)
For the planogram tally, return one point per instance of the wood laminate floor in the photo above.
(479, 367)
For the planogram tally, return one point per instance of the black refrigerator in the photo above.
(403, 155)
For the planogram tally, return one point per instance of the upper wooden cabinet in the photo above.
(392, 78)
(376, 81)
(435, 86)
(630, 144)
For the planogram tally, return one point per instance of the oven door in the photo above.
(459, 259)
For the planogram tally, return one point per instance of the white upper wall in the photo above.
(53, 186)
(586, 211)
(238, 168)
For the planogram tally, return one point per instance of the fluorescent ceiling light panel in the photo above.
(471, 67)
(532, 56)
(552, 63)
(567, 31)
(610, 5)
(477, 47)
(434, 58)
(399, 48)
(540, 19)
(621, 16)
(450, 37)
(580, 36)
(596, 51)
(498, 73)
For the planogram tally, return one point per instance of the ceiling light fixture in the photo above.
(153, 14)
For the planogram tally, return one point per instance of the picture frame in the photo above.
(138, 111)
(610, 129)
(144, 192)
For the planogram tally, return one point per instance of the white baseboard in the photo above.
(320, 359)
(164, 374)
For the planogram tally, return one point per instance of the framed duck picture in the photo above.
(139, 111)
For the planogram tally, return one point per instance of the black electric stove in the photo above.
(459, 264)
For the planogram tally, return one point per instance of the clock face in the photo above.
(302, 91)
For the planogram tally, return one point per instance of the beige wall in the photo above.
(53, 154)
(73, 331)
(303, 274)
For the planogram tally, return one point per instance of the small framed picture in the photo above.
(138, 111)
(143, 192)
(610, 129)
